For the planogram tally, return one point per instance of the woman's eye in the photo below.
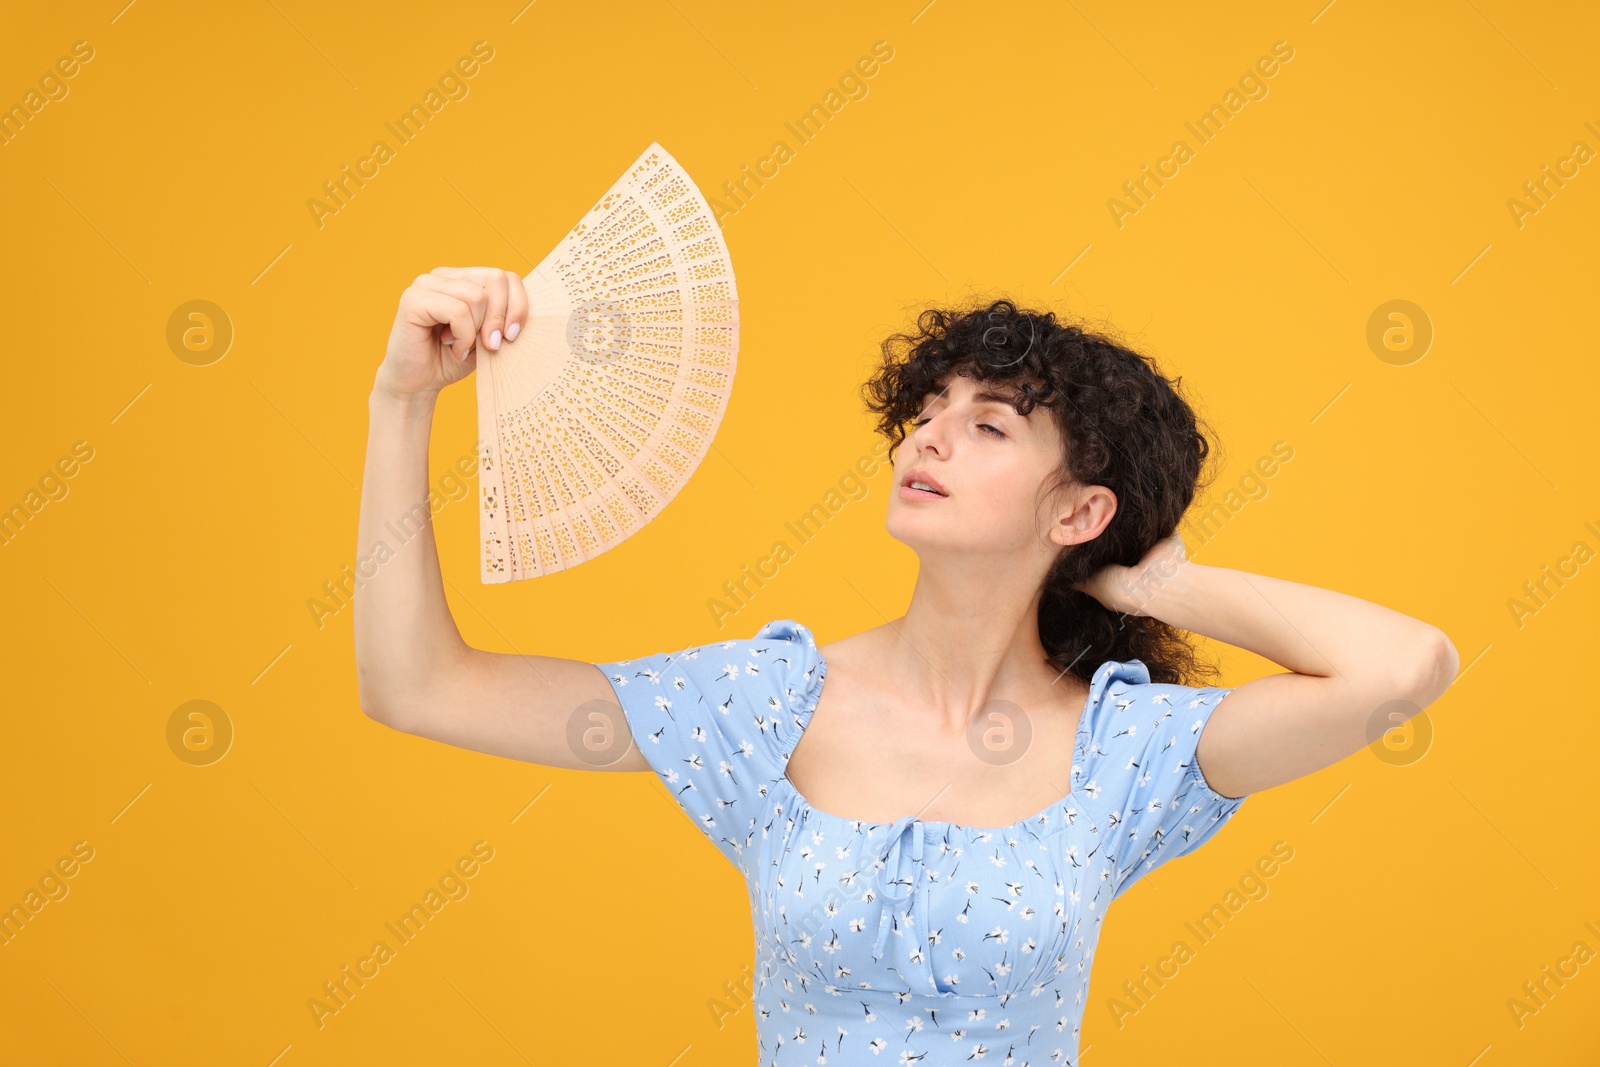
(981, 426)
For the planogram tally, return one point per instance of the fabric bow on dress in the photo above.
(901, 875)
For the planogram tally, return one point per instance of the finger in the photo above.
(456, 315)
(420, 305)
(494, 319)
(476, 275)
(470, 294)
(517, 307)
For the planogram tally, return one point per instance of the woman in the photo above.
(931, 849)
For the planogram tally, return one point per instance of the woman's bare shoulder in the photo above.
(850, 651)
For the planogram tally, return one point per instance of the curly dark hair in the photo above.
(1123, 424)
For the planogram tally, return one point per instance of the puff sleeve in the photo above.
(712, 720)
(1170, 809)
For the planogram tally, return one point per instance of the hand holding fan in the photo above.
(597, 414)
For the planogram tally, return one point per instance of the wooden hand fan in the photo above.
(597, 414)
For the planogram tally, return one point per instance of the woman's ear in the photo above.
(1083, 513)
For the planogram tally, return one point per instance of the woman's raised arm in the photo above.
(414, 671)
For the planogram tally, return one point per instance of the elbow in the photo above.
(377, 707)
(367, 696)
(376, 694)
(1433, 669)
(372, 709)
(399, 703)
(398, 688)
(384, 715)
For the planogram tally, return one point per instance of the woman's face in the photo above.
(989, 462)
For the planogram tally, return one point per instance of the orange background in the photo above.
(1380, 164)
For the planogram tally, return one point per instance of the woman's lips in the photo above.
(908, 493)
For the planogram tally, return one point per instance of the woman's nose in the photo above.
(931, 433)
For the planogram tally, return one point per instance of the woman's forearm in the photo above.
(403, 624)
(1302, 628)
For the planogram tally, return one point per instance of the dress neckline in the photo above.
(1097, 685)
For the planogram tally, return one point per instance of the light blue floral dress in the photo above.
(916, 941)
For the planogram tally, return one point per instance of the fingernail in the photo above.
(512, 331)
(494, 340)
